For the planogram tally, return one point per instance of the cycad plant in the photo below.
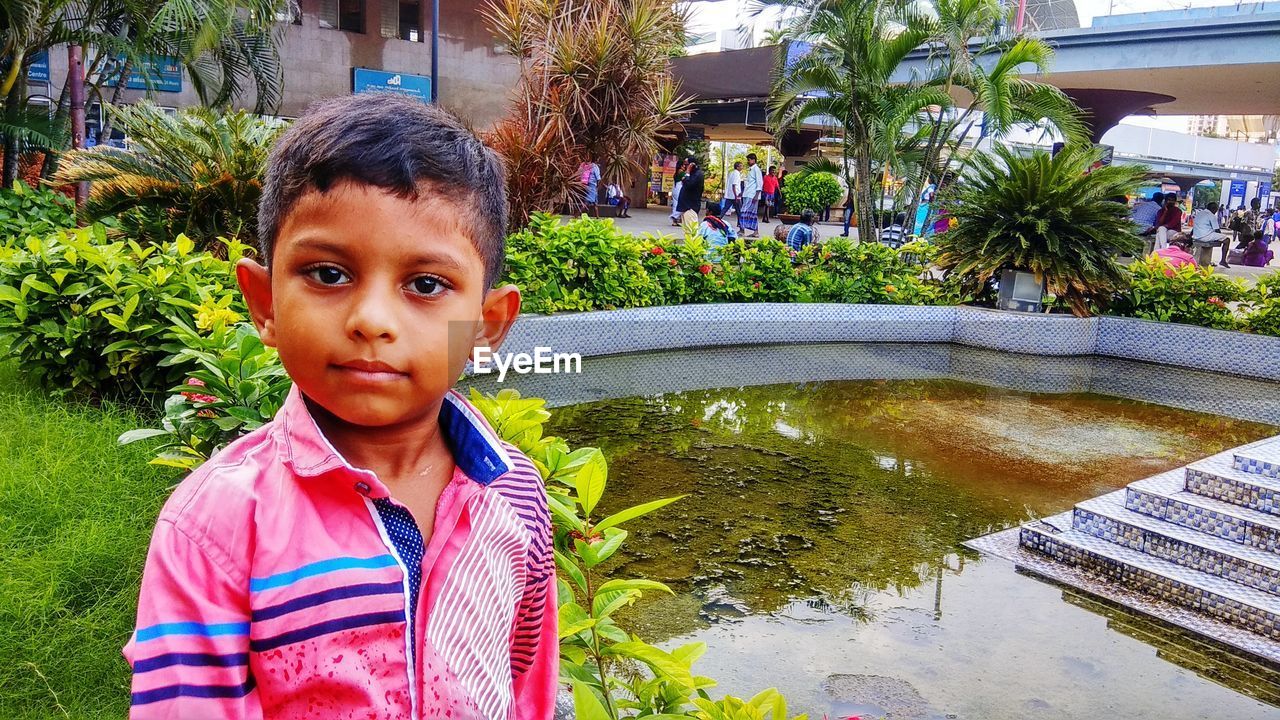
(198, 172)
(1046, 215)
(595, 84)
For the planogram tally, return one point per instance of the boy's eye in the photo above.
(328, 275)
(427, 285)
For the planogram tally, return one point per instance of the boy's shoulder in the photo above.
(524, 491)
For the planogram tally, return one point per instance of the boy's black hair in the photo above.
(396, 143)
(807, 216)
(714, 208)
(751, 156)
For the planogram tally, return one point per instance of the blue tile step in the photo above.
(1107, 518)
(1217, 597)
(1218, 477)
(1259, 458)
(1165, 497)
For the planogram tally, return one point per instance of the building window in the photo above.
(402, 19)
(345, 15)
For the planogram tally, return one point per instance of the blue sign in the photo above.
(38, 70)
(1237, 191)
(1264, 192)
(379, 81)
(152, 72)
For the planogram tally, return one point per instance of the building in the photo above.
(332, 47)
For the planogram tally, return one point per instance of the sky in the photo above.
(706, 15)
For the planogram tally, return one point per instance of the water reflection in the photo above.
(831, 493)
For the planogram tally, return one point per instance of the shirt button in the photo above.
(362, 487)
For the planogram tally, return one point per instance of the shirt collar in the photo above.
(477, 450)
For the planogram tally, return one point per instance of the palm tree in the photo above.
(198, 172)
(970, 57)
(595, 84)
(856, 47)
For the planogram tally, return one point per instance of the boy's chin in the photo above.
(376, 412)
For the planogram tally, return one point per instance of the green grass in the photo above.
(76, 512)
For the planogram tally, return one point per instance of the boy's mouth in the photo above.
(370, 371)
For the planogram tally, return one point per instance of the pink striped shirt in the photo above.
(276, 586)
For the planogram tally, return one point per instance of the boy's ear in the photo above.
(255, 283)
(497, 315)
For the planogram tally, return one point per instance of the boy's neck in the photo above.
(396, 454)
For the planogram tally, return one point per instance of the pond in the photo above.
(819, 548)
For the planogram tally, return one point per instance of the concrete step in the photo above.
(1107, 518)
(1218, 477)
(1230, 602)
(1165, 497)
(1259, 458)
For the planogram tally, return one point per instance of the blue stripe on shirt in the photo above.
(191, 628)
(320, 568)
(170, 692)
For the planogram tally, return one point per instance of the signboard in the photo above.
(668, 173)
(379, 81)
(1236, 198)
(151, 72)
(38, 70)
(655, 174)
(1264, 192)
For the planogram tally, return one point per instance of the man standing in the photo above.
(752, 186)
(733, 190)
(770, 192)
(1206, 235)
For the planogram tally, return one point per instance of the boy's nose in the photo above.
(373, 317)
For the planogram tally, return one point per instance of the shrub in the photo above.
(1265, 316)
(1190, 295)
(761, 272)
(235, 386)
(584, 264)
(840, 271)
(814, 191)
(94, 317)
(197, 173)
(683, 271)
(25, 212)
(1045, 215)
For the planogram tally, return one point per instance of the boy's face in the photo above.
(375, 301)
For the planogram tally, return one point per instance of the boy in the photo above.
(715, 230)
(375, 550)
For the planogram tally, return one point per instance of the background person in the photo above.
(1168, 220)
(1206, 235)
(675, 191)
(589, 175)
(715, 230)
(752, 186)
(801, 233)
(1177, 253)
(616, 198)
(732, 191)
(770, 194)
(691, 190)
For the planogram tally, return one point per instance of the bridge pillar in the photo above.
(1104, 109)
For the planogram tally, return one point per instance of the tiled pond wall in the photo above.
(683, 326)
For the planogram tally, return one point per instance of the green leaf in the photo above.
(586, 706)
(590, 481)
(613, 539)
(634, 512)
(564, 513)
(572, 620)
(133, 436)
(659, 660)
(605, 604)
(9, 293)
(633, 584)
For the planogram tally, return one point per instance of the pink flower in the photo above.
(198, 397)
(704, 269)
(657, 250)
(674, 262)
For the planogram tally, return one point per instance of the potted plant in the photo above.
(814, 191)
(1050, 217)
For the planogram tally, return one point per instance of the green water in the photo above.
(819, 548)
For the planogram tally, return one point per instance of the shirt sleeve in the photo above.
(190, 651)
(535, 650)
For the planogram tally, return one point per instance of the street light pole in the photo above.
(435, 50)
